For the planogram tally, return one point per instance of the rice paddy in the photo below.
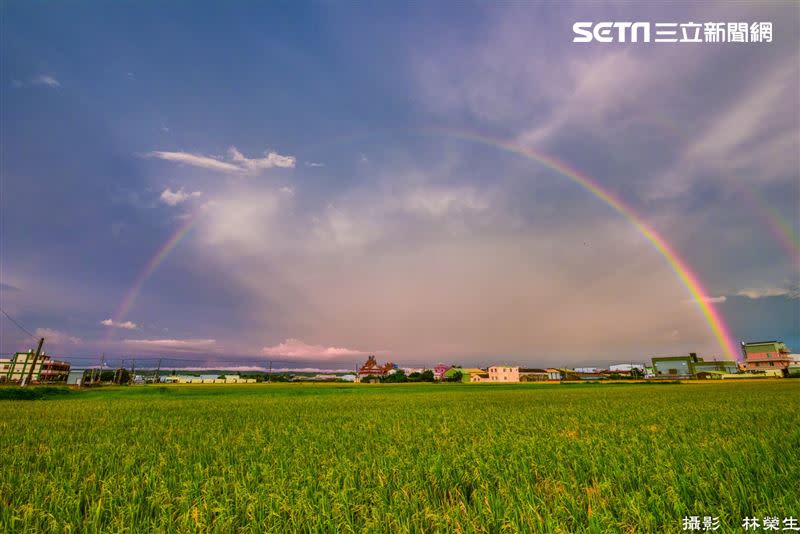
(407, 458)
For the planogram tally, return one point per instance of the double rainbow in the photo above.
(688, 278)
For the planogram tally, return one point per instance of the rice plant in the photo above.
(419, 458)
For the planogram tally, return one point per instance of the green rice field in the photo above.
(400, 458)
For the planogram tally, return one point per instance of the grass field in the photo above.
(423, 458)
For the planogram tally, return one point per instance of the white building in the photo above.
(626, 367)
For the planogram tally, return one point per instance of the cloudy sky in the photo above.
(318, 168)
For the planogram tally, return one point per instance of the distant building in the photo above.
(75, 377)
(45, 369)
(575, 374)
(761, 355)
(689, 366)
(626, 367)
(440, 370)
(324, 378)
(554, 374)
(533, 375)
(468, 372)
(371, 369)
(723, 366)
(479, 377)
(501, 373)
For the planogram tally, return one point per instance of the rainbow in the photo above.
(679, 266)
(162, 252)
(782, 230)
(685, 275)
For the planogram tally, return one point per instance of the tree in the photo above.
(122, 376)
(454, 377)
(396, 377)
(426, 376)
(414, 377)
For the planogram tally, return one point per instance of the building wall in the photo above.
(533, 377)
(14, 369)
(766, 355)
(499, 373)
(726, 366)
(672, 367)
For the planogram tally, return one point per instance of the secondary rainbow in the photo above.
(690, 280)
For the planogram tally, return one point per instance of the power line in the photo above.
(17, 324)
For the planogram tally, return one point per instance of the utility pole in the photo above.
(269, 375)
(27, 379)
(158, 368)
(102, 364)
(133, 371)
(118, 373)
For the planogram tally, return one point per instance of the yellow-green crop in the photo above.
(421, 458)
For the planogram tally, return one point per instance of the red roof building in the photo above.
(372, 368)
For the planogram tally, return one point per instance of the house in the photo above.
(760, 355)
(468, 372)
(440, 370)
(479, 377)
(45, 369)
(501, 373)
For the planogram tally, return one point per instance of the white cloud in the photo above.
(437, 202)
(126, 325)
(270, 159)
(44, 79)
(175, 344)
(712, 300)
(764, 292)
(237, 163)
(173, 198)
(287, 191)
(56, 337)
(195, 160)
(313, 164)
(296, 348)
